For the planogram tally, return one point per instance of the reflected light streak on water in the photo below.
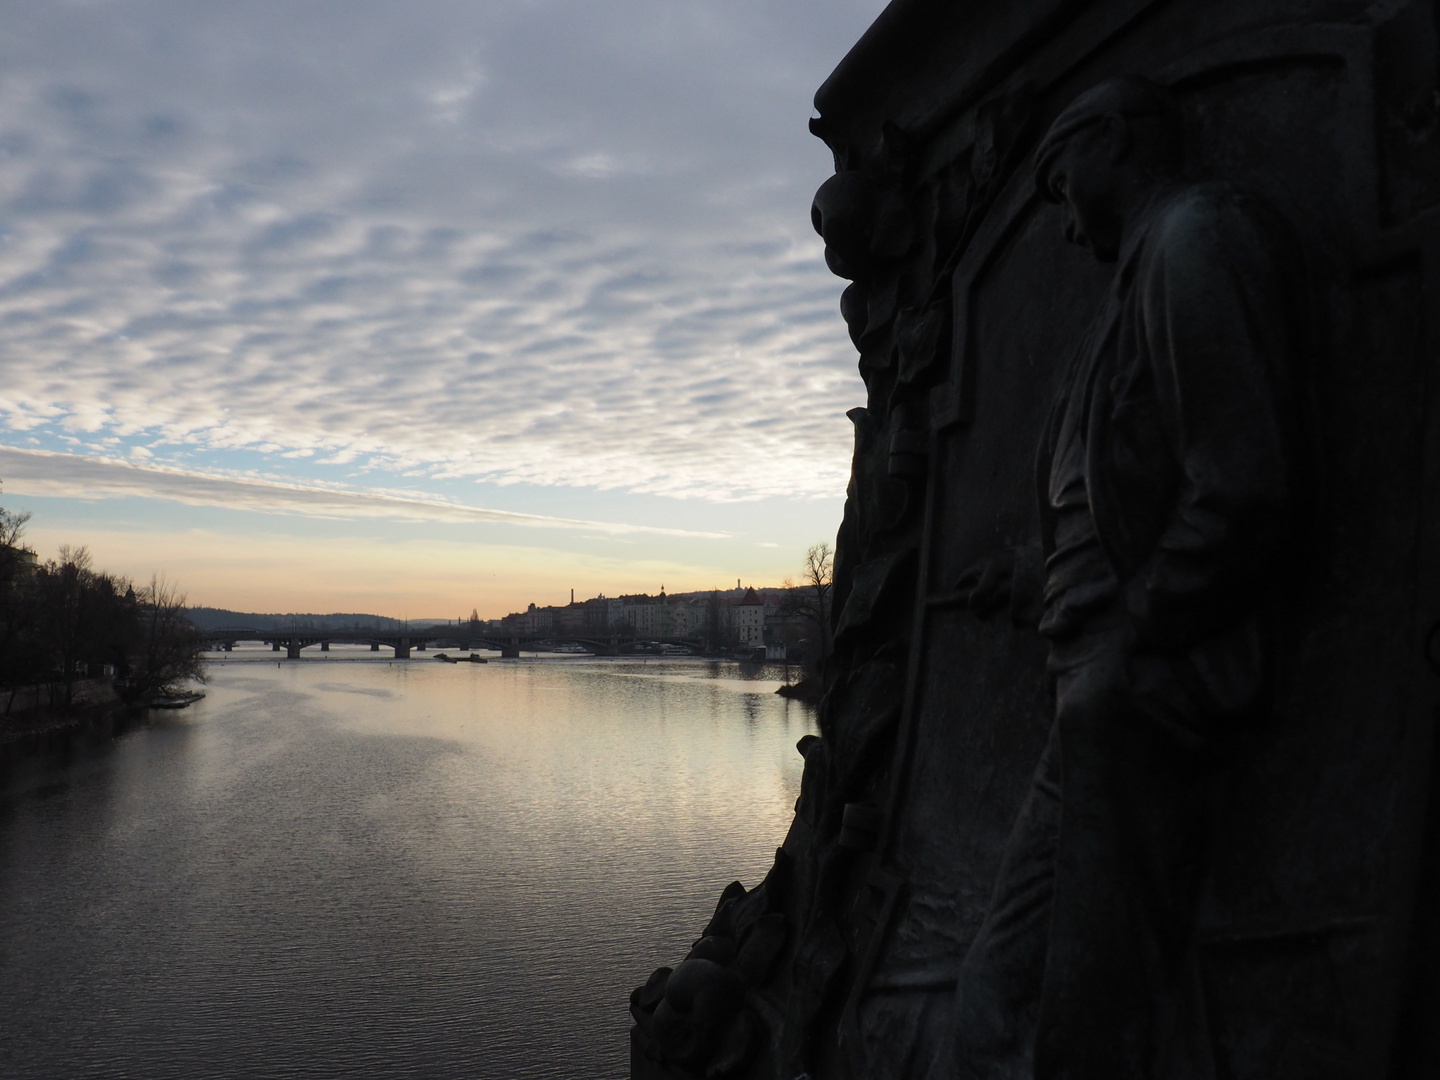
(379, 869)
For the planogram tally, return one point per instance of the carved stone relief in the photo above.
(1242, 622)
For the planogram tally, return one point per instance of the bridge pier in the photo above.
(297, 638)
(511, 651)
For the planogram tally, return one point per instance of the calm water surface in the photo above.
(353, 868)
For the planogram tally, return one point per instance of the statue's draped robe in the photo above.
(1174, 432)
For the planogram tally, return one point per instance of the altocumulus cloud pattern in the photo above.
(542, 243)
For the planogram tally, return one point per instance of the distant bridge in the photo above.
(293, 639)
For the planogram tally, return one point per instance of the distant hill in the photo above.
(209, 618)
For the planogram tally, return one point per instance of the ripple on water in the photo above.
(384, 869)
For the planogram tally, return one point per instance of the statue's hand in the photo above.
(987, 584)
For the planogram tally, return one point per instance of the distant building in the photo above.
(718, 618)
(790, 636)
(636, 612)
(750, 619)
(687, 619)
(650, 616)
(570, 619)
(537, 620)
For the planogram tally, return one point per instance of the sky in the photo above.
(424, 306)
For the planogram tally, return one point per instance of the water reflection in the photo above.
(346, 866)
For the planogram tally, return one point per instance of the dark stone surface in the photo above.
(1227, 863)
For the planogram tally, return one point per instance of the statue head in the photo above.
(1111, 147)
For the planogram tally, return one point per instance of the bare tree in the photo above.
(62, 621)
(12, 531)
(167, 648)
(810, 597)
(81, 623)
(17, 603)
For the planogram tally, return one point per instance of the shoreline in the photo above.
(491, 658)
(42, 735)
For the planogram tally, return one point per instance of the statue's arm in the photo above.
(1013, 578)
(1217, 328)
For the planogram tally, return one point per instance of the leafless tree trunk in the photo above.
(168, 646)
(810, 597)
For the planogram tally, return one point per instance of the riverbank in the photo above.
(96, 716)
(809, 689)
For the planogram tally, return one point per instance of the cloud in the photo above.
(43, 473)
(532, 243)
(449, 99)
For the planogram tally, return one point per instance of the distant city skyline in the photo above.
(357, 306)
(573, 598)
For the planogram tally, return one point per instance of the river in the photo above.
(348, 867)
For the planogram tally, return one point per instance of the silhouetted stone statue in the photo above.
(1167, 475)
(1136, 779)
